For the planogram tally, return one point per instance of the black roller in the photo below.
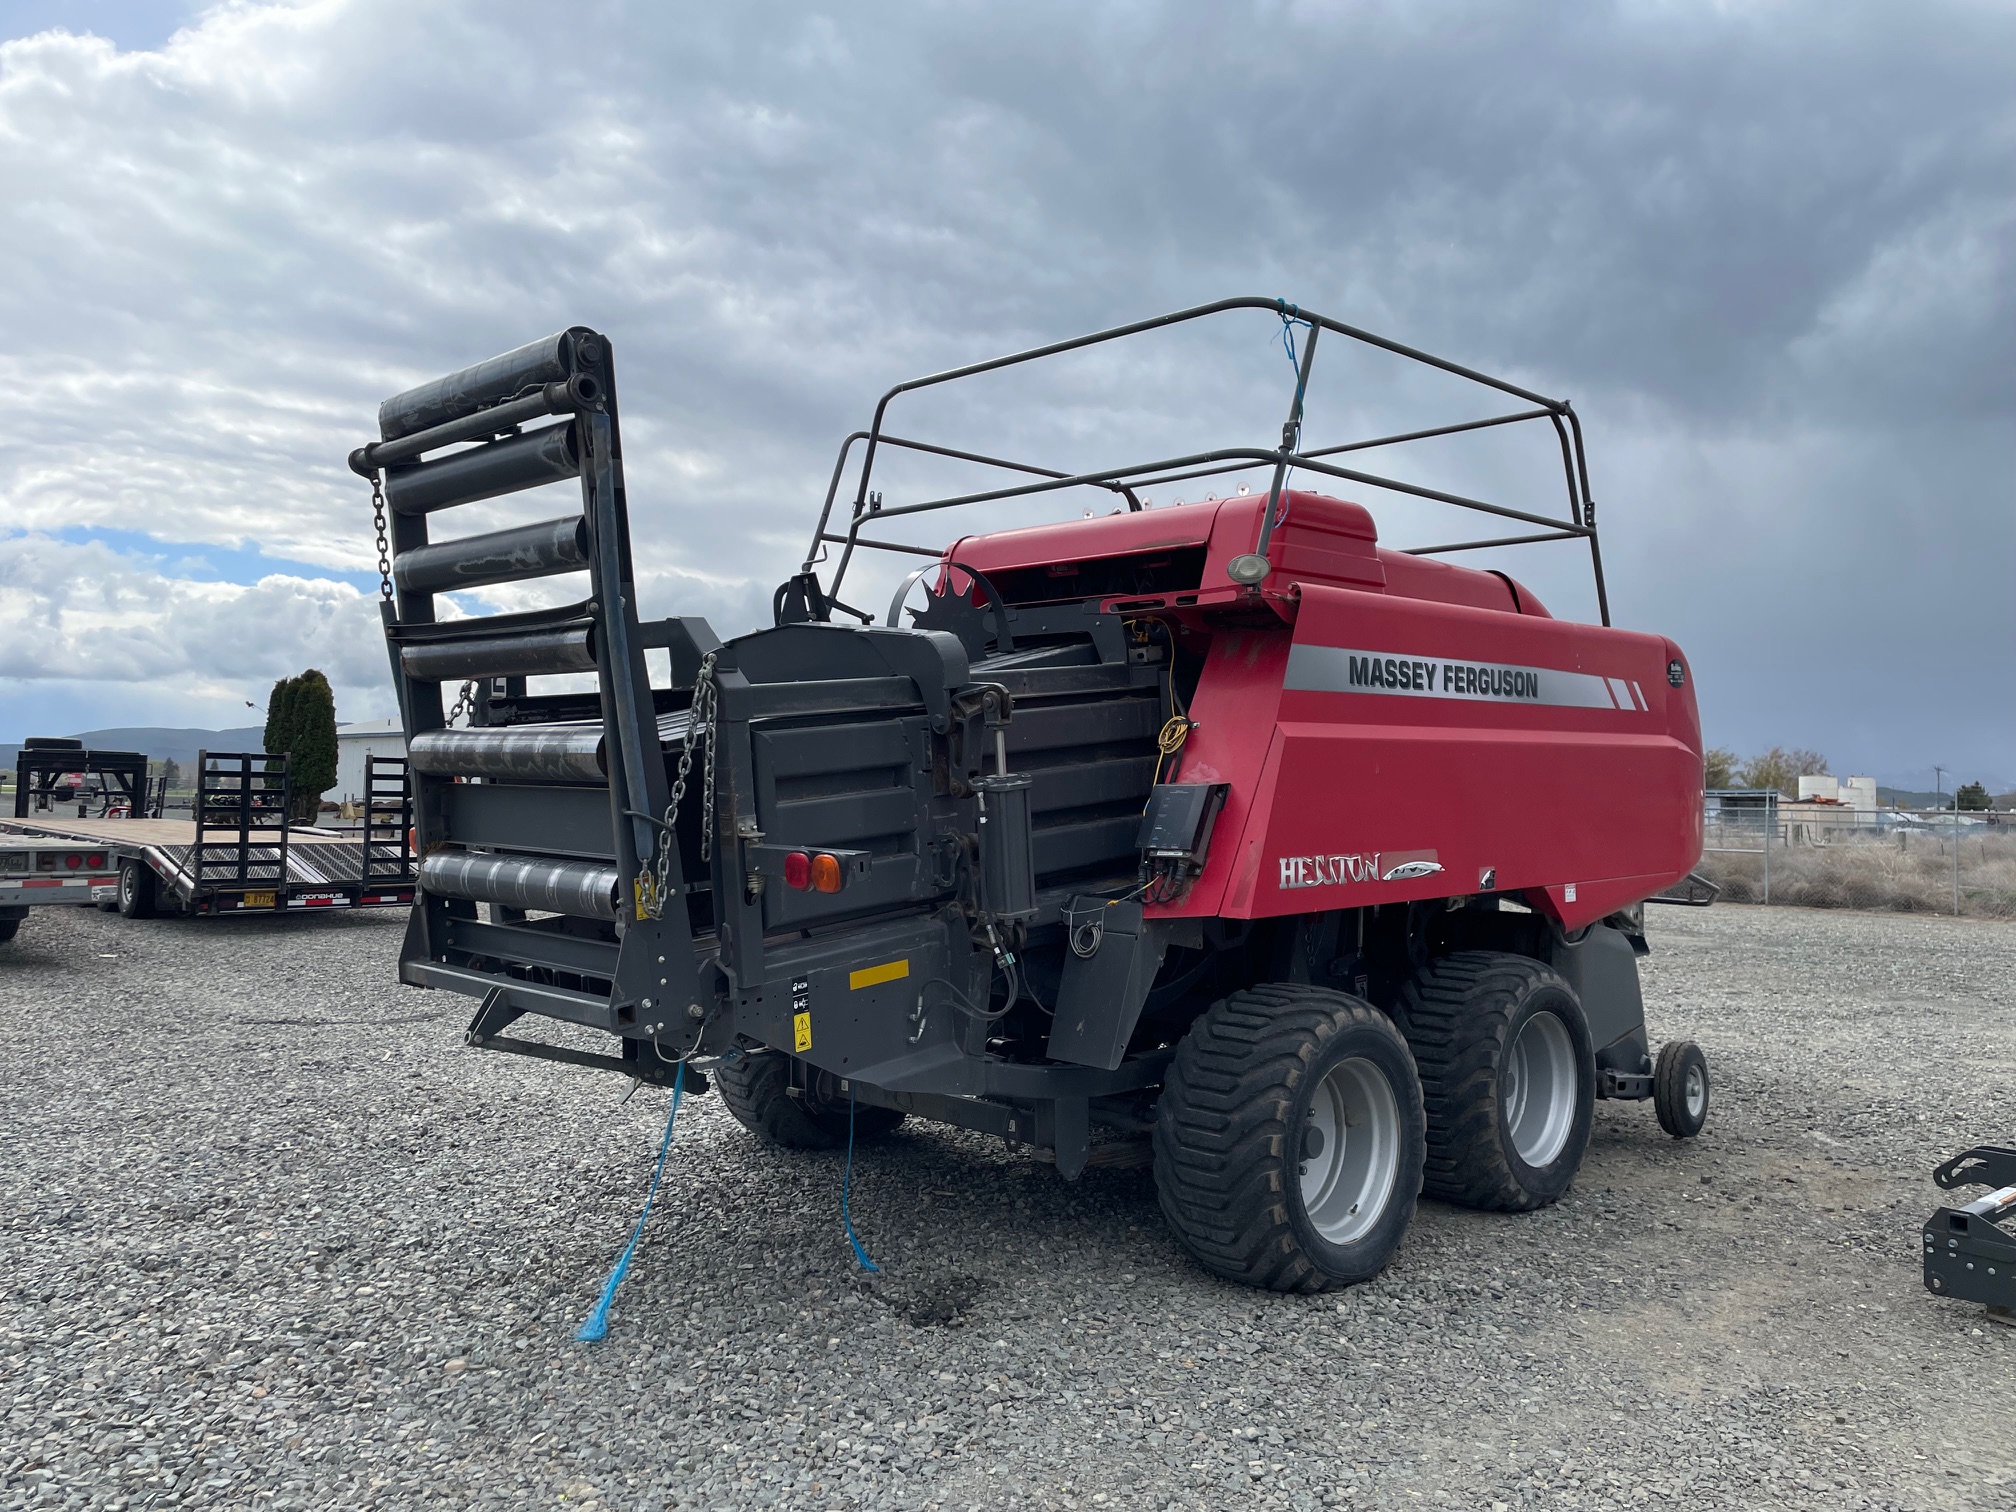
(484, 472)
(580, 888)
(502, 556)
(478, 387)
(536, 655)
(571, 753)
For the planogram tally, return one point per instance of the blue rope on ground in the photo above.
(597, 1326)
(846, 1178)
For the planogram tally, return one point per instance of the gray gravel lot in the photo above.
(273, 1238)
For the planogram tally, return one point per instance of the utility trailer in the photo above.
(237, 852)
(1313, 867)
(39, 872)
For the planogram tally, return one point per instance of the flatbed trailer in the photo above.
(38, 871)
(237, 853)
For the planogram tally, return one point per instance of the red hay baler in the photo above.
(1214, 834)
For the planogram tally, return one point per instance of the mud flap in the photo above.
(1109, 964)
(1602, 967)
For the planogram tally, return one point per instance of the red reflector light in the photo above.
(826, 876)
(97, 863)
(73, 862)
(798, 870)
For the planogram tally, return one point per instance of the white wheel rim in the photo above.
(1697, 1091)
(1538, 1085)
(126, 888)
(1350, 1156)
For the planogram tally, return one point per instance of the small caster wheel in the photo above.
(1680, 1088)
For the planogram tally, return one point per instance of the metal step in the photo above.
(474, 388)
(580, 888)
(502, 556)
(544, 456)
(536, 653)
(535, 753)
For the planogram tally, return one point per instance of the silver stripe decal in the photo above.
(1339, 669)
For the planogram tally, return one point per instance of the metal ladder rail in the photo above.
(249, 814)
(571, 375)
(388, 823)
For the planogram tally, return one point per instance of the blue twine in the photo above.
(597, 1326)
(846, 1178)
(1287, 343)
(1288, 324)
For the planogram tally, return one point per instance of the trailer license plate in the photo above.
(256, 900)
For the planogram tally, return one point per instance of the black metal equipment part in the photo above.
(42, 765)
(1968, 1254)
(1126, 479)
(241, 826)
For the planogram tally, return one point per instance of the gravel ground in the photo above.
(273, 1238)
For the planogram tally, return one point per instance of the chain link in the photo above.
(702, 711)
(384, 544)
(465, 703)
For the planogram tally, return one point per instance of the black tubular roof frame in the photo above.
(1123, 481)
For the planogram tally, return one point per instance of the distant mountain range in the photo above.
(159, 744)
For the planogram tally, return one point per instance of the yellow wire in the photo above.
(1170, 741)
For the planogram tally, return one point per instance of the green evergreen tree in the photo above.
(313, 768)
(279, 736)
(301, 725)
(1972, 798)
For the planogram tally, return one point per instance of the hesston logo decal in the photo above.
(1357, 866)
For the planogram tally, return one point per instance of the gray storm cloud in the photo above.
(1766, 249)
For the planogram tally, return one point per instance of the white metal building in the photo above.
(366, 737)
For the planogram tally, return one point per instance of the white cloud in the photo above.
(1743, 227)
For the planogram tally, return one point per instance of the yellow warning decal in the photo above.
(801, 1032)
(870, 976)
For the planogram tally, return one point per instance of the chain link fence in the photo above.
(1766, 852)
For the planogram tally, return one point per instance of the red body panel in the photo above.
(1562, 766)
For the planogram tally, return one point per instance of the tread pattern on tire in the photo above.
(142, 903)
(1455, 1012)
(1223, 1122)
(754, 1086)
(1669, 1088)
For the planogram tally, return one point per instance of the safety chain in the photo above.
(701, 711)
(465, 703)
(384, 544)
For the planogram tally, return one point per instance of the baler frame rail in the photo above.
(1290, 455)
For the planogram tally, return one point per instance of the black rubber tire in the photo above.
(1460, 1014)
(1242, 1080)
(1669, 1088)
(136, 890)
(755, 1086)
(10, 928)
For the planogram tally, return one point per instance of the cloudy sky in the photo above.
(1766, 248)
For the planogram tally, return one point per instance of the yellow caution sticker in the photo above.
(871, 976)
(801, 1032)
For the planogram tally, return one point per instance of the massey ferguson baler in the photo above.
(1313, 864)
